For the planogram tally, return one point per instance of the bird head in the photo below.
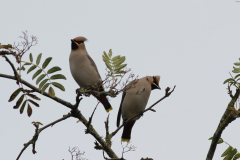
(155, 82)
(78, 43)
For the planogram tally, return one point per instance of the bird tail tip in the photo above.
(109, 109)
(125, 140)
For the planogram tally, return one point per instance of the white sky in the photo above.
(190, 44)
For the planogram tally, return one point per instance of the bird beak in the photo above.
(157, 86)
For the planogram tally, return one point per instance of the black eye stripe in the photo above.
(154, 79)
(79, 42)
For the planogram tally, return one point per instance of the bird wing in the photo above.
(120, 109)
(94, 65)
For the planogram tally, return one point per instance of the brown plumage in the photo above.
(134, 101)
(84, 69)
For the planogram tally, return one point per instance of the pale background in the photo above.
(191, 44)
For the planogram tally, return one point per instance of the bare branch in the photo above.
(37, 132)
(90, 118)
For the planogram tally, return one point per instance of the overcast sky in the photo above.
(190, 44)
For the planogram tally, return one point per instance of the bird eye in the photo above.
(79, 42)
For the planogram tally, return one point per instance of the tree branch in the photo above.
(37, 132)
(75, 113)
(229, 115)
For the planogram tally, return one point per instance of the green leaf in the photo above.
(40, 78)
(120, 61)
(31, 68)
(228, 80)
(231, 154)
(29, 110)
(27, 63)
(39, 58)
(46, 62)
(54, 69)
(237, 156)
(22, 107)
(227, 151)
(33, 96)
(210, 138)
(19, 102)
(116, 57)
(121, 67)
(23, 68)
(51, 92)
(220, 141)
(58, 85)
(236, 71)
(31, 57)
(105, 59)
(237, 63)
(42, 83)
(37, 73)
(105, 54)
(109, 66)
(110, 53)
(58, 76)
(14, 95)
(36, 104)
(236, 76)
(44, 88)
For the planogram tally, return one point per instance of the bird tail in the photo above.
(104, 101)
(126, 136)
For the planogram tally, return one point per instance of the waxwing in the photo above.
(134, 100)
(84, 69)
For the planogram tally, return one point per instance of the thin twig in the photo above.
(90, 118)
(37, 132)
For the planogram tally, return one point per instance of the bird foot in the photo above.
(141, 113)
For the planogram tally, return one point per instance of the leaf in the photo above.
(44, 88)
(120, 61)
(46, 62)
(37, 73)
(236, 71)
(27, 63)
(31, 68)
(33, 96)
(54, 69)
(19, 102)
(121, 67)
(236, 76)
(105, 55)
(228, 150)
(220, 141)
(39, 58)
(58, 85)
(116, 57)
(23, 68)
(40, 78)
(51, 92)
(231, 154)
(58, 76)
(237, 156)
(105, 59)
(210, 138)
(36, 104)
(228, 80)
(110, 53)
(42, 83)
(14, 95)
(109, 66)
(29, 110)
(22, 107)
(31, 57)
(237, 63)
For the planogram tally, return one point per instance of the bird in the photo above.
(134, 100)
(84, 70)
